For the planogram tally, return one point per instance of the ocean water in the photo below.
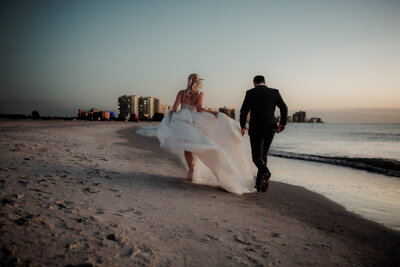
(373, 147)
(355, 165)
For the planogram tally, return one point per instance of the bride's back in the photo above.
(189, 100)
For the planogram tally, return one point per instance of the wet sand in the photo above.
(374, 196)
(95, 193)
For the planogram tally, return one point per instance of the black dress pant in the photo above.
(260, 144)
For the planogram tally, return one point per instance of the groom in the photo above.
(261, 102)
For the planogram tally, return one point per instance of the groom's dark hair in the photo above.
(259, 79)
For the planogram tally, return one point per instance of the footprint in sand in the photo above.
(90, 190)
(117, 239)
(113, 190)
(276, 235)
(142, 253)
(112, 237)
(242, 240)
(62, 173)
(21, 221)
(7, 201)
(5, 253)
(63, 205)
(3, 183)
(74, 246)
(127, 210)
(100, 211)
(209, 237)
(18, 196)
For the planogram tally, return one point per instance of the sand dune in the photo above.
(95, 193)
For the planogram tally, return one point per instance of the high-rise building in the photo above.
(146, 107)
(128, 106)
(230, 112)
(158, 105)
(165, 109)
(299, 116)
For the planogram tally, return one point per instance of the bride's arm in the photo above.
(177, 101)
(199, 105)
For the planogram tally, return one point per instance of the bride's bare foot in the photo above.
(190, 175)
(190, 162)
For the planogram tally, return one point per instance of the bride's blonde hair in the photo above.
(193, 85)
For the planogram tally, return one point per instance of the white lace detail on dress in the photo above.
(188, 106)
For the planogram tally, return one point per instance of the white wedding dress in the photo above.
(222, 155)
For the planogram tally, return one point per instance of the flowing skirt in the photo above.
(222, 156)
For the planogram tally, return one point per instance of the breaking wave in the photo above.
(388, 167)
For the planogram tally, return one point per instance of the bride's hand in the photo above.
(243, 130)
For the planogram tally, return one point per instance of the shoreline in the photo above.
(100, 194)
(384, 166)
(373, 196)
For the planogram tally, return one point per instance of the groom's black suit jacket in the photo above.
(261, 102)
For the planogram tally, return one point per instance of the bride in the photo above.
(208, 143)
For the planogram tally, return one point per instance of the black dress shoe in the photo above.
(264, 185)
(265, 181)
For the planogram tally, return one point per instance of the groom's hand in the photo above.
(243, 130)
(281, 128)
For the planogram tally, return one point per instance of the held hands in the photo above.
(243, 130)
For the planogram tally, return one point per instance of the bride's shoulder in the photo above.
(200, 97)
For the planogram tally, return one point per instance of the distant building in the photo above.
(299, 116)
(315, 120)
(128, 106)
(105, 115)
(158, 105)
(94, 114)
(81, 114)
(230, 112)
(165, 109)
(146, 107)
(289, 118)
(211, 109)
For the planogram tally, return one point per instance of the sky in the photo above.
(339, 60)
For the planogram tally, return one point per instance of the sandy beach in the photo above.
(79, 193)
